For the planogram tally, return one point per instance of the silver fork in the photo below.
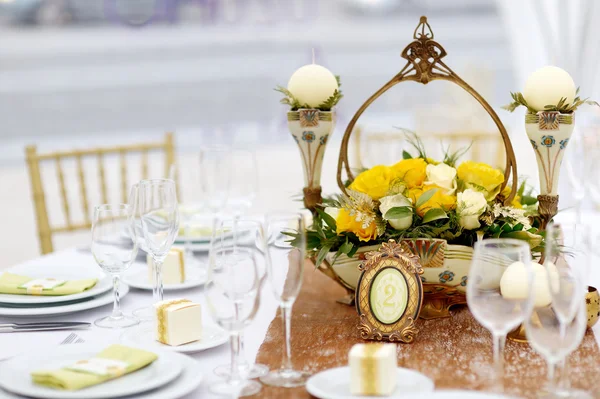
(72, 339)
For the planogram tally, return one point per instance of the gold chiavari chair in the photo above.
(35, 161)
(388, 145)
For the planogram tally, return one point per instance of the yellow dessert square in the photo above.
(173, 268)
(178, 322)
(373, 369)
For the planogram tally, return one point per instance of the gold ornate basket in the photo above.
(424, 64)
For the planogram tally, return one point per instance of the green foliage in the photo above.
(563, 106)
(426, 196)
(415, 141)
(295, 104)
(434, 214)
(450, 158)
(399, 212)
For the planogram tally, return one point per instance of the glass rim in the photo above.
(107, 207)
(155, 181)
(509, 243)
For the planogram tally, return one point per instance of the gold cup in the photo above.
(592, 303)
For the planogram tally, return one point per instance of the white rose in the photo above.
(443, 176)
(393, 201)
(470, 204)
(333, 212)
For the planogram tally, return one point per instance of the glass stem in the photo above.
(499, 341)
(235, 377)
(551, 385)
(157, 292)
(116, 313)
(563, 377)
(286, 316)
(242, 362)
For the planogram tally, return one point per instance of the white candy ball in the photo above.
(514, 283)
(547, 86)
(312, 84)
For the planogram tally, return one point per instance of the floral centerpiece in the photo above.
(420, 198)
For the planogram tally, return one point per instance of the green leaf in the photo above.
(434, 214)
(426, 196)
(406, 155)
(518, 227)
(319, 229)
(322, 253)
(398, 212)
(328, 219)
(346, 247)
(352, 252)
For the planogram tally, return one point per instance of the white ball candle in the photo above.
(547, 86)
(514, 283)
(312, 85)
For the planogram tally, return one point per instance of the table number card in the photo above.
(389, 295)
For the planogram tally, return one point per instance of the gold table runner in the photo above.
(455, 352)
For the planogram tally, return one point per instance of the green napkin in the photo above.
(71, 380)
(10, 283)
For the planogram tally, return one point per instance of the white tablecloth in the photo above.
(15, 343)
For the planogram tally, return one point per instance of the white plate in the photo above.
(212, 336)
(188, 381)
(15, 373)
(457, 395)
(62, 308)
(104, 284)
(139, 279)
(335, 384)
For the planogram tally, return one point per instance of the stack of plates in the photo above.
(32, 306)
(171, 376)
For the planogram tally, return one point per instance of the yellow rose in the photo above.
(480, 177)
(516, 202)
(411, 171)
(438, 200)
(347, 223)
(374, 182)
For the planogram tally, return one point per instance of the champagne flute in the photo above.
(497, 313)
(554, 338)
(250, 235)
(576, 164)
(243, 182)
(160, 225)
(285, 269)
(114, 256)
(567, 261)
(232, 294)
(215, 177)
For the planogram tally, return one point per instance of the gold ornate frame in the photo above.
(397, 256)
(424, 64)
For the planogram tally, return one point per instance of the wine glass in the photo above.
(554, 338)
(576, 165)
(285, 269)
(567, 261)
(114, 255)
(250, 235)
(232, 295)
(497, 311)
(243, 187)
(215, 177)
(160, 225)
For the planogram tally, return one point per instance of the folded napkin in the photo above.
(22, 285)
(113, 362)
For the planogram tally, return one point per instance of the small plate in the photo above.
(335, 384)
(212, 336)
(188, 381)
(15, 373)
(47, 309)
(457, 395)
(104, 284)
(139, 279)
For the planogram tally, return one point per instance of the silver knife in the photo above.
(42, 326)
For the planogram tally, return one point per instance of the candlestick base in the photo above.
(548, 208)
(312, 198)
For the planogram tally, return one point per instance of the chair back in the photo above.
(97, 157)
